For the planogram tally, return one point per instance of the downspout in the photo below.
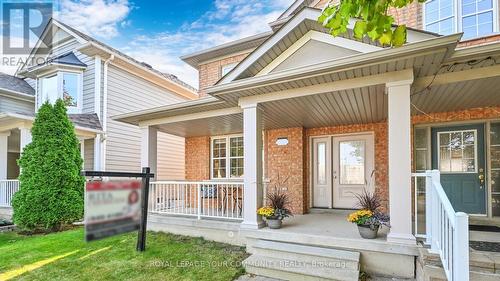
(105, 111)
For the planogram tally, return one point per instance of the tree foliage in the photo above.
(372, 20)
(51, 187)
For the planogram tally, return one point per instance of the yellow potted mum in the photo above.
(369, 218)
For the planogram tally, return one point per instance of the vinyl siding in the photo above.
(171, 164)
(12, 105)
(88, 155)
(128, 93)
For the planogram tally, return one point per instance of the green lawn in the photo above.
(167, 257)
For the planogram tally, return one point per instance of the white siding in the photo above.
(127, 93)
(8, 104)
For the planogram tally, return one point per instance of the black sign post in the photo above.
(145, 175)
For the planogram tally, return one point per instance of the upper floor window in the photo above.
(226, 68)
(474, 18)
(63, 85)
(227, 157)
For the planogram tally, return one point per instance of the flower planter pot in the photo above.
(274, 223)
(366, 232)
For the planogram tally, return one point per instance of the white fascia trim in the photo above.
(17, 95)
(192, 116)
(307, 13)
(321, 37)
(134, 63)
(403, 76)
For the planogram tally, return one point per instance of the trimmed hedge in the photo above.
(51, 187)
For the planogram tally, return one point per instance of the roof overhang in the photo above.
(119, 60)
(425, 55)
(9, 121)
(41, 70)
(297, 26)
(16, 95)
(244, 45)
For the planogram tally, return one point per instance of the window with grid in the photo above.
(227, 157)
(477, 18)
(440, 16)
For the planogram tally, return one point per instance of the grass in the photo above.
(167, 257)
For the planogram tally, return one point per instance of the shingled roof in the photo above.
(15, 84)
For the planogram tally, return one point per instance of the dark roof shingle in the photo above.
(15, 84)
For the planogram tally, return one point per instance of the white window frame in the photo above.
(59, 74)
(229, 66)
(495, 19)
(457, 5)
(228, 157)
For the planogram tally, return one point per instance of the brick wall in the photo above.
(410, 15)
(287, 163)
(292, 161)
(210, 73)
(197, 153)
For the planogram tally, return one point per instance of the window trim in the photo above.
(60, 74)
(457, 13)
(231, 65)
(228, 157)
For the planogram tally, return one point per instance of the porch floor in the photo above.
(331, 223)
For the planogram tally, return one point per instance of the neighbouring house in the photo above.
(97, 82)
(326, 113)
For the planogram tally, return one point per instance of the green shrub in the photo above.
(51, 187)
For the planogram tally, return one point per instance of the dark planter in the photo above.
(366, 232)
(274, 223)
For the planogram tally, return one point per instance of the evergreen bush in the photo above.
(51, 187)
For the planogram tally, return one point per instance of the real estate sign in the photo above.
(111, 208)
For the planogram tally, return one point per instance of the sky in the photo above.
(159, 32)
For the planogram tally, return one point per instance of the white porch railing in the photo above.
(211, 199)
(446, 231)
(7, 190)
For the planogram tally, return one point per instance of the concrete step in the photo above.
(307, 254)
(297, 270)
(483, 266)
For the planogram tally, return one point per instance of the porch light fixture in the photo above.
(282, 141)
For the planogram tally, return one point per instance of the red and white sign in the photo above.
(111, 208)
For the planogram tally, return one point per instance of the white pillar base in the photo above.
(401, 238)
(250, 225)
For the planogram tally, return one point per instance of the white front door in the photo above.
(347, 171)
(322, 180)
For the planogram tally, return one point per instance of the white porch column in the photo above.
(399, 132)
(4, 149)
(149, 141)
(24, 137)
(98, 154)
(252, 146)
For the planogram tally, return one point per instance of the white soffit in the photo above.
(341, 47)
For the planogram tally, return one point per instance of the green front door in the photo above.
(458, 153)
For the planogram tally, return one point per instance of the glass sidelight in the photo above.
(495, 168)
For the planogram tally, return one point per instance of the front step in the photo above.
(483, 266)
(291, 261)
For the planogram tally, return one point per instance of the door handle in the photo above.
(481, 179)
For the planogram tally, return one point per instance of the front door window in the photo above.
(495, 168)
(457, 151)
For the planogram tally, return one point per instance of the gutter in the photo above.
(342, 64)
(17, 95)
(105, 111)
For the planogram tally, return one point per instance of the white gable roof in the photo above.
(296, 30)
